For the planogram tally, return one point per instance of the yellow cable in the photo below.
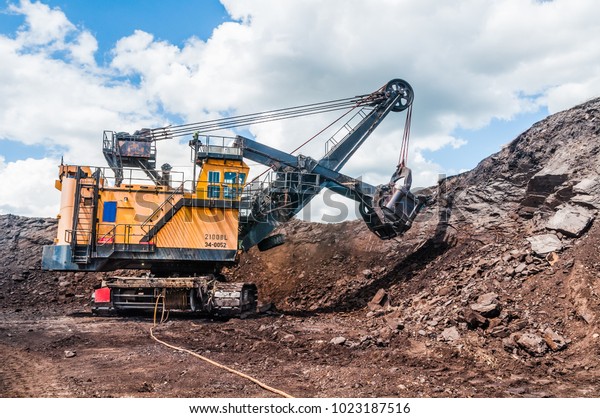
(214, 363)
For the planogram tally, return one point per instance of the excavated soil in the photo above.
(464, 305)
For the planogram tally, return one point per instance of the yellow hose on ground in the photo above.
(214, 363)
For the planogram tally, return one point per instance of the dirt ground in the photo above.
(115, 357)
(60, 350)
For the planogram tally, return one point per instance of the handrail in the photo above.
(71, 234)
(109, 238)
(103, 241)
(333, 142)
(179, 190)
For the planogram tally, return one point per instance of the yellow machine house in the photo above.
(108, 223)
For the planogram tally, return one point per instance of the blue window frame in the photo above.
(109, 214)
(214, 192)
(214, 176)
(229, 192)
(230, 177)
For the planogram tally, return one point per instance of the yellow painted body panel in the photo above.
(201, 228)
(231, 175)
(65, 216)
(140, 207)
(134, 206)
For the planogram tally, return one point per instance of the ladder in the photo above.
(83, 235)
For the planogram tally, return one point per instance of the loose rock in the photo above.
(450, 334)
(585, 186)
(474, 320)
(571, 220)
(532, 343)
(487, 305)
(338, 341)
(555, 341)
(520, 268)
(380, 300)
(545, 243)
(70, 354)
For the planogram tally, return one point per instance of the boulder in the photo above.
(70, 354)
(473, 319)
(540, 186)
(450, 334)
(532, 343)
(520, 268)
(552, 258)
(555, 341)
(588, 201)
(518, 325)
(394, 322)
(545, 243)
(586, 186)
(509, 344)
(487, 305)
(571, 220)
(500, 331)
(380, 300)
(546, 180)
(338, 341)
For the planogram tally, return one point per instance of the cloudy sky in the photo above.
(482, 71)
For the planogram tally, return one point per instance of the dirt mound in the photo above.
(493, 292)
(23, 285)
(506, 259)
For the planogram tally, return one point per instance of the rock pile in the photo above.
(504, 260)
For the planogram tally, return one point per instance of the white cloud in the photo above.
(468, 61)
(27, 187)
(44, 26)
(84, 48)
(566, 95)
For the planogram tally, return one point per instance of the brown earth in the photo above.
(469, 307)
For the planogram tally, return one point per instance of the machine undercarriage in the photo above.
(201, 295)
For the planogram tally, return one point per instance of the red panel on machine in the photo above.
(102, 295)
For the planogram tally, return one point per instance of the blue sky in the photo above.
(110, 20)
(482, 74)
(486, 141)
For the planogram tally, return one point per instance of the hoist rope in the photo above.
(358, 103)
(169, 132)
(403, 158)
(309, 139)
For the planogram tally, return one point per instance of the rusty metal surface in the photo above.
(138, 282)
(137, 149)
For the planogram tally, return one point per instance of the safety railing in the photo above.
(268, 192)
(78, 236)
(170, 199)
(345, 130)
(216, 147)
(125, 234)
(138, 176)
